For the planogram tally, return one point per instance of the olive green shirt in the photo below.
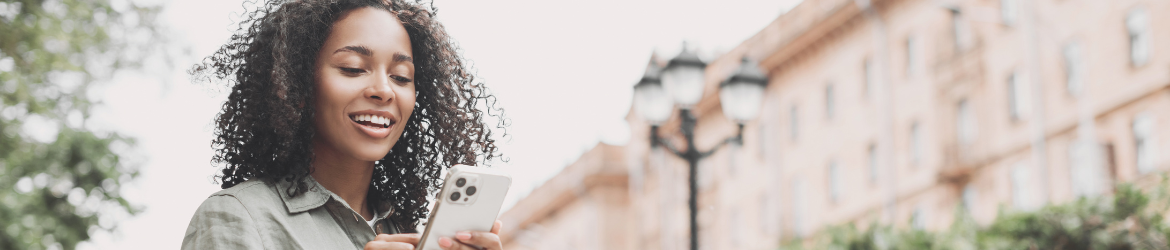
(258, 214)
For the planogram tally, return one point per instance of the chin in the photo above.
(371, 155)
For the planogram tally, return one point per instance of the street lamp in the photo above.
(682, 78)
(651, 99)
(742, 94)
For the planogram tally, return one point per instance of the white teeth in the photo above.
(372, 119)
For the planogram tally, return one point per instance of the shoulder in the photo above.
(250, 195)
(253, 187)
(238, 199)
(227, 219)
(230, 216)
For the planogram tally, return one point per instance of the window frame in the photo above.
(830, 101)
(834, 182)
(966, 122)
(1073, 71)
(1137, 26)
(794, 123)
(1143, 129)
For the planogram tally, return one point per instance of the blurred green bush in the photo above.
(60, 180)
(1128, 219)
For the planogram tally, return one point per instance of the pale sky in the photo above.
(562, 70)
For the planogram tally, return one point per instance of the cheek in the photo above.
(331, 100)
(406, 103)
(331, 93)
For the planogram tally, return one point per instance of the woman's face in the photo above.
(365, 86)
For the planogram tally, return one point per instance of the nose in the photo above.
(380, 89)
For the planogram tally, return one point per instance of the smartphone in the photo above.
(470, 200)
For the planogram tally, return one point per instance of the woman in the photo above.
(340, 117)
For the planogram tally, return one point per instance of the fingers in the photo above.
(404, 238)
(393, 242)
(482, 239)
(474, 240)
(499, 225)
(447, 243)
(384, 245)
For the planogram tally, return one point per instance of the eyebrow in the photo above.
(357, 49)
(399, 57)
(363, 50)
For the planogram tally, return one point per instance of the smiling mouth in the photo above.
(372, 120)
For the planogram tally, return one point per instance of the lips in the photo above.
(374, 123)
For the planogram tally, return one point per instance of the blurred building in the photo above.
(899, 112)
(586, 206)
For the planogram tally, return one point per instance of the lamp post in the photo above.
(680, 84)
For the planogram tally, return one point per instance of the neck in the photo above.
(346, 177)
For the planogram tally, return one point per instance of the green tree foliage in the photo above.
(59, 179)
(1129, 219)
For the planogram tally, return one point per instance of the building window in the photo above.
(917, 218)
(1137, 22)
(966, 127)
(1145, 146)
(911, 55)
(794, 123)
(834, 182)
(1018, 101)
(829, 101)
(1007, 11)
(1110, 156)
(969, 198)
(915, 144)
(1072, 68)
(1023, 197)
(869, 77)
(871, 162)
(1085, 170)
(960, 31)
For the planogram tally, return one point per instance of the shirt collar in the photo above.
(316, 196)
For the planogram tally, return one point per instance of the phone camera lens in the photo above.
(455, 196)
(470, 190)
(460, 182)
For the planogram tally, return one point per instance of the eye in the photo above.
(401, 79)
(352, 71)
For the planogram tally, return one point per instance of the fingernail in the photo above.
(463, 235)
(444, 242)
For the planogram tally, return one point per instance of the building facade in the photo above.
(585, 206)
(901, 112)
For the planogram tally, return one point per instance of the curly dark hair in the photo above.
(265, 128)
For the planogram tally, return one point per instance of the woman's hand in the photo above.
(393, 242)
(474, 240)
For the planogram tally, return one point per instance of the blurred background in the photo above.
(867, 124)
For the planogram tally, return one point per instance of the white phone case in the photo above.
(475, 212)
